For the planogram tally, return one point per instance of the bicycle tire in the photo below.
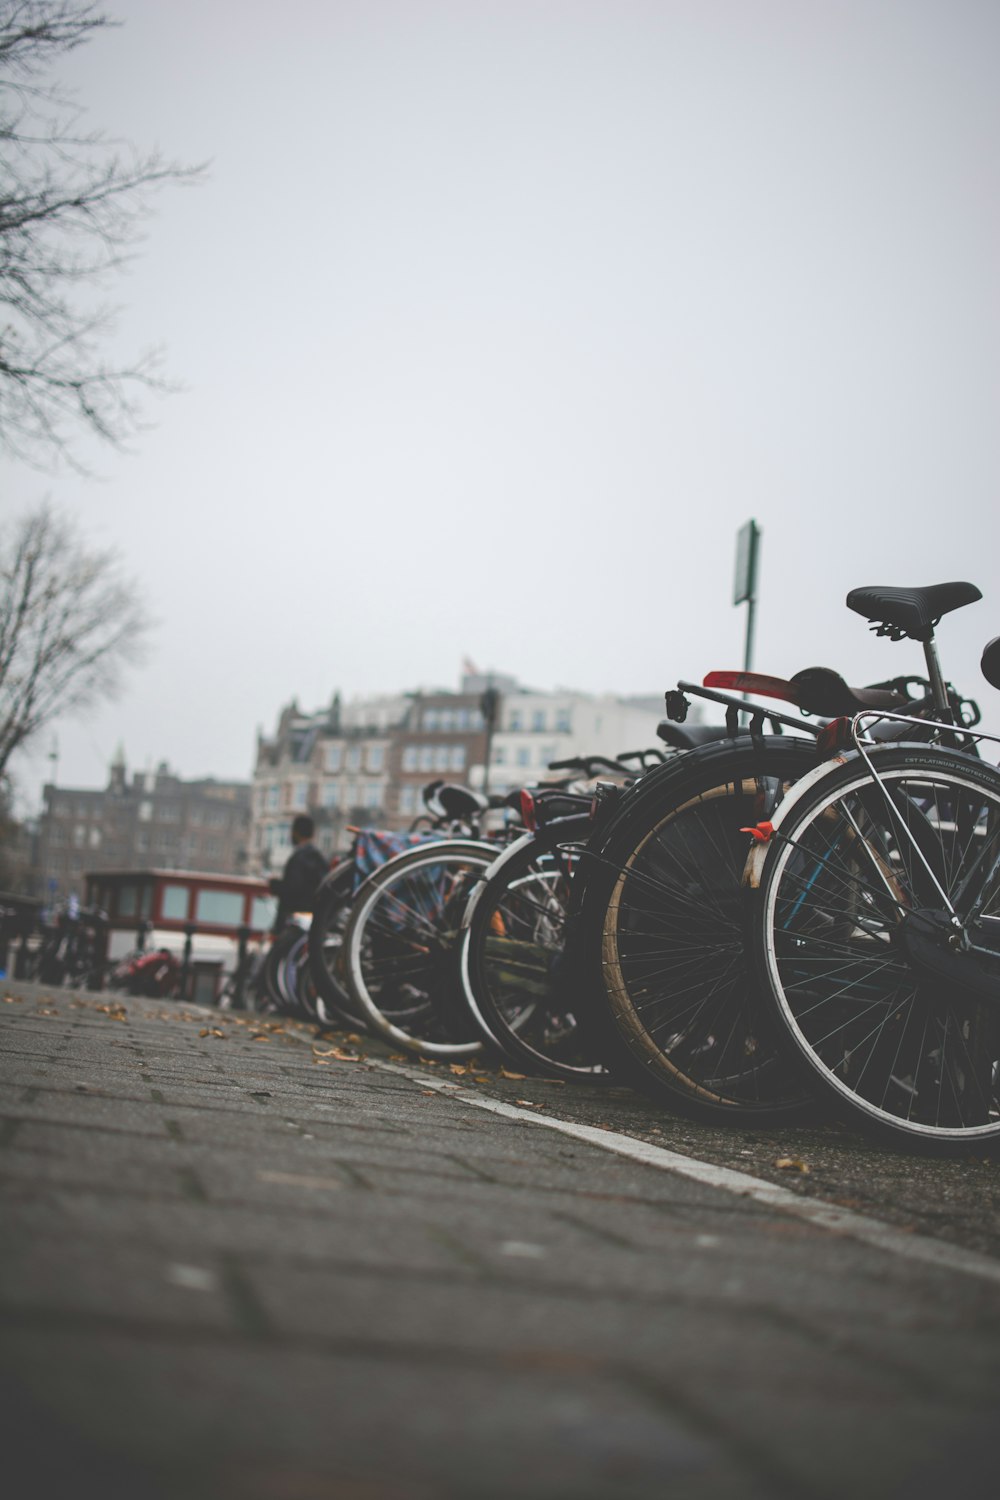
(670, 978)
(885, 1016)
(517, 969)
(401, 947)
(331, 910)
(271, 973)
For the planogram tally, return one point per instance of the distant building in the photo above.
(154, 819)
(442, 738)
(367, 762)
(537, 728)
(360, 763)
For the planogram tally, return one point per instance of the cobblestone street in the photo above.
(243, 1260)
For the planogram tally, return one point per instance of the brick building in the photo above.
(366, 762)
(359, 763)
(153, 819)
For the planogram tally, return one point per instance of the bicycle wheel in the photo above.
(518, 971)
(401, 947)
(332, 909)
(272, 976)
(879, 943)
(664, 917)
(285, 973)
(296, 982)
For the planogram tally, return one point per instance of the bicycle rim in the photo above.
(857, 945)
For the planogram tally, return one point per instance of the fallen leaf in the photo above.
(212, 1031)
(519, 1076)
(791, 1164)
(530, 1103)
(457, 1068)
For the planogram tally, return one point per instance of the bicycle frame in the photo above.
(863, 747)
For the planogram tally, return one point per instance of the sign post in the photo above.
(745, 582)
(489, 705)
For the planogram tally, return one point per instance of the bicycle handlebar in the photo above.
(585, 764)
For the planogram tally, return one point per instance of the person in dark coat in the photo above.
(304, 869)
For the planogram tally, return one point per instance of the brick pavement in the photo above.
(239, 1265)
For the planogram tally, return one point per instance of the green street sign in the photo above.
(747, 548)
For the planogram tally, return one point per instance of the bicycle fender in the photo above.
(753, 870)
(499, 863)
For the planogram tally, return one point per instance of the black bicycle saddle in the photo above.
(821, 690)
(912, 612)
(455, 801)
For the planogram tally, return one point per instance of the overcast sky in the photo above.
(497, 320)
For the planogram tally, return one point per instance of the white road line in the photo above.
(844, 1221)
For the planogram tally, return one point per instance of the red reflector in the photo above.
(528, 811)
(753, 682)
(761, 834)
(834, 737)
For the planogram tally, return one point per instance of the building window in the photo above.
(427, 757)
(441, 758)
(408, 799)
(95, 838)
(262, 913)
(145, 811)
(430, 720)
(410, 758)
(331, 794)
(524, 756)
(515, 720)
(563, 721)
(545, 754)
(458, 757)
(354, 758)
(300, 795)
(223, 908)
(333, 757)
(373, 795)
(272, 798)
(79, 836)
(174, 906)
(375, 757)
(538, 721)
(499, 755)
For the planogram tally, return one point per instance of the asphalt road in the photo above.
(240, 1259)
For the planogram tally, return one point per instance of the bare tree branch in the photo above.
(71, 206)
(69, 626)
